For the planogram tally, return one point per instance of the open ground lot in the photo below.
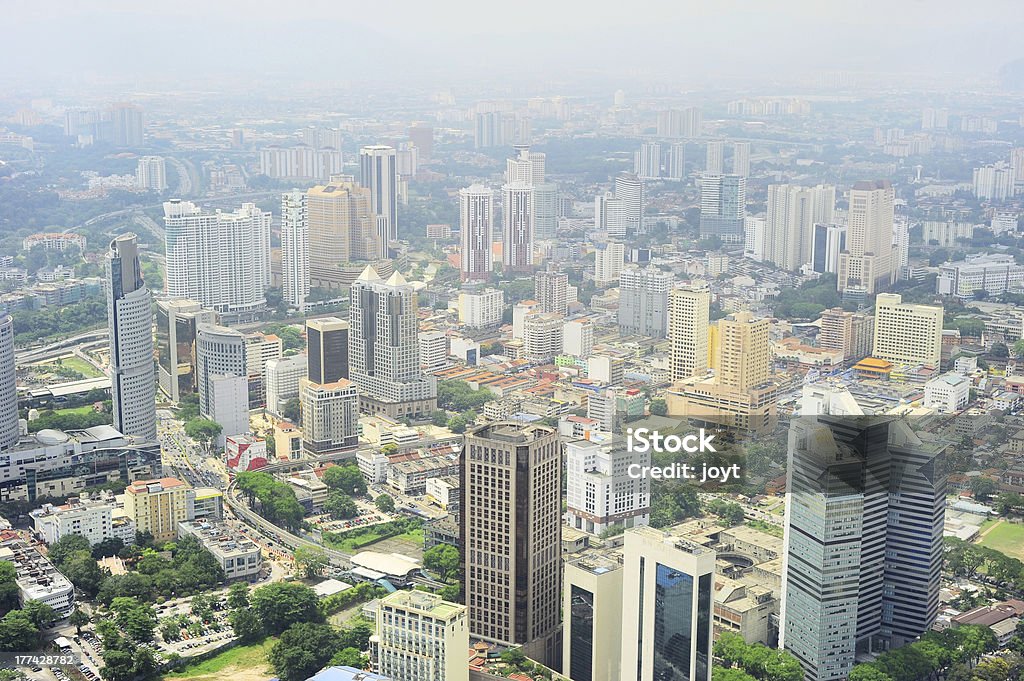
(1004, 537)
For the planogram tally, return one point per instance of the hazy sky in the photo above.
(397, 39)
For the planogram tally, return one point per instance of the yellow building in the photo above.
(157, 506)
(907, 334)
(287, 441)
(744, 351)
(342, 229)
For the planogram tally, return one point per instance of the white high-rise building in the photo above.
(476, 229)
(283, 376)
(907, 333)
(599, 491)
(330, 416)
(609, 259)
(524, 167)
(630, 190)
(723, 207)
(675, 162)
(9, 429)
(741, 159)
(610, 216)
(647, 161)
(545, 207)
(379, 173)
(994, 182)
(550, 289)
(689, 314)
(518, 217)
(421, 637)
(481, 309)
(789, 226)
(714, 163)
(578, 337)
(643, 301)
(294, 248)
(151, 173)
(754, 229)
(866, 265)
(433, 350)
(221, 355)
(220, 259)
(130, 328)
(542, 337)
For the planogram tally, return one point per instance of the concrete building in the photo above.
(610, 216)
(741, 159)
(993, 273)
(36, 577)
(95, 519)
(519, 227)
(578, 337)
(410, 477)
(481, 308)
(994, 182)
(852, 333)
(476, 232)
(245, 452)
(222, 367)
(647, 161)
(866, 265)
(283, 376)
(609, 260)
(592, 602)
(294, 248)
(330, 416)
(551, 291)
(599, 491)
(342, 229)
(907, 334)
(689, 312)
(630, 190)
(10, 431)
(793, 212)
(714, 160)
(379, 173)
(130, 334)
(673, 581)
(157, 506)
(327, 349)
(177, 325)
(151, 173)
(238, 557)
(643, 301)
(421, 637)
(723, 207)
(948, 393)
(542, 337)
(433, 350)
(513, 569)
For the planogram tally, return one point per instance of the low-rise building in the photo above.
(95, 519)
(239, 557)
(310, 492)
(421, 637)
(948, 393)
(410, 477)
(157, 506)
(36, 577)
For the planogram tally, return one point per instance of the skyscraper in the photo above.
(476, 230)
(743, 351)
(220, 259)
(714, 164)
(866, 265)
(550, 289)
(723, 207)
(545, 208)
(669, 619)
(518, 217)
(177, 322)
(793, 212)
(327, 345)
(223, 378)
(675, 162)
(610, 216)
(689, 312)
(130, 329)
(342, 229)
(741, 159)
(379, 174)
(609, 259)
(647, 161)
(643, 300)
(630, 190)
(9, 431)
(422, 136)
(330, 416)
(126, 125)
(384, 357)
(294, 248)
(511, 529)
(151, 173)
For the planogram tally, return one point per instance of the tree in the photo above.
(110, 546)
(8, 586)
(1018, 348)
(17, 631)
(457, 424)
(867, 672)
(136, 619)
(439, 418)
(292, 410)
(144, 662)
(170, 629)
(282, 604)
(982, 487)
(41, 614)
(385, 503)
(310, 561)
(442, 559)
(344, 478)
(659, 407)
(200, 607)
(139, 586)
(999, 350)
(238, 596)
(203, 430)
(727, 674)
(729, 511)
(303, 649)
(84, 572)
(340, 506)
(78, 619)
(245, 624)
(350, 657)
(514, 657)
(118, 665)
(66, 546)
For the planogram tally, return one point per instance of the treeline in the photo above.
(274, 498)
(936, 651)
(31, 326)
(68, 421)
(742, 661)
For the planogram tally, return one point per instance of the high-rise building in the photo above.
(229, 404)
(476, 228)
(592, 601)
(481, 308)
(330, 416)
(130, 329)
(630, 190)
(421, 637)
(220, 353)
(675, 162)
(157, 506)
(220, 259)
(542, 337)
(866, 264)
(755, 244)
(743, 351)
(647, 161)
(177, 322)
(384, 353)
(793, 212)
(294, 248)
(688, 317)
(994, 182)
(545, 206)
(714, 163)
(550, 289)
(327, 349)
(723, 207)
(609, 259)
(433, 350)
(151, 173)
(283, 377)
(675, 123)
(863, 551)
(852, 333)
(610, 216)
(9, 429)
(511, 485)
(670, 617)
(906, 333)
(741, 159)
(342, 229)
(600, 494)
(300, 162)
(829, 242)
(379, 174)
(423, 137)
(643, 300)
(126, 125)
(578, 337)
(518, 218)
(260, 348)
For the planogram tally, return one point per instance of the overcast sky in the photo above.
(399, 39)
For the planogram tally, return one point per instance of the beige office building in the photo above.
(157, 506)
(592, 610)
(743, 351)
(342, 230)
(852, 333)
(421, 637)
(689, 309)
(866, 264)
(907, 334)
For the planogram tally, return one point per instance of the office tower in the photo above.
(433, 350)
(714, 163)
(327, 349)
(578, 337)
(518, 217)
(630, 190)
(793, 212)
(754, 242)
(384, 357)
(151, 173)
(157, 506)
(379, 174)
(283, 375)
(723, 201)
(829, 242)
(592, 604)
(994, 182)
(126, 125)
(688, 319)
(610, 216)
(672, 580)
(519, 313)
(545, 206)
(599, 492)
(675, 162)
(260, 348)
(300, 162)
(423, 137)
(741, 159)
(744, 352)
(342, 229)
(480, 309)
(177, 322)
(643, 300)
(421, 637)
(9, 429)
(488, 130)
(511, 484)
(542, 337)
(220, 259)
(609, 259)
(852, 333)
(330, 416)
(863, 549)
(220, 351)
(932, 119)
(550, 290)
(130, 331)
(866, 263)
(294, 248)
(905, 333)
(647, 161)
(476, 231)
